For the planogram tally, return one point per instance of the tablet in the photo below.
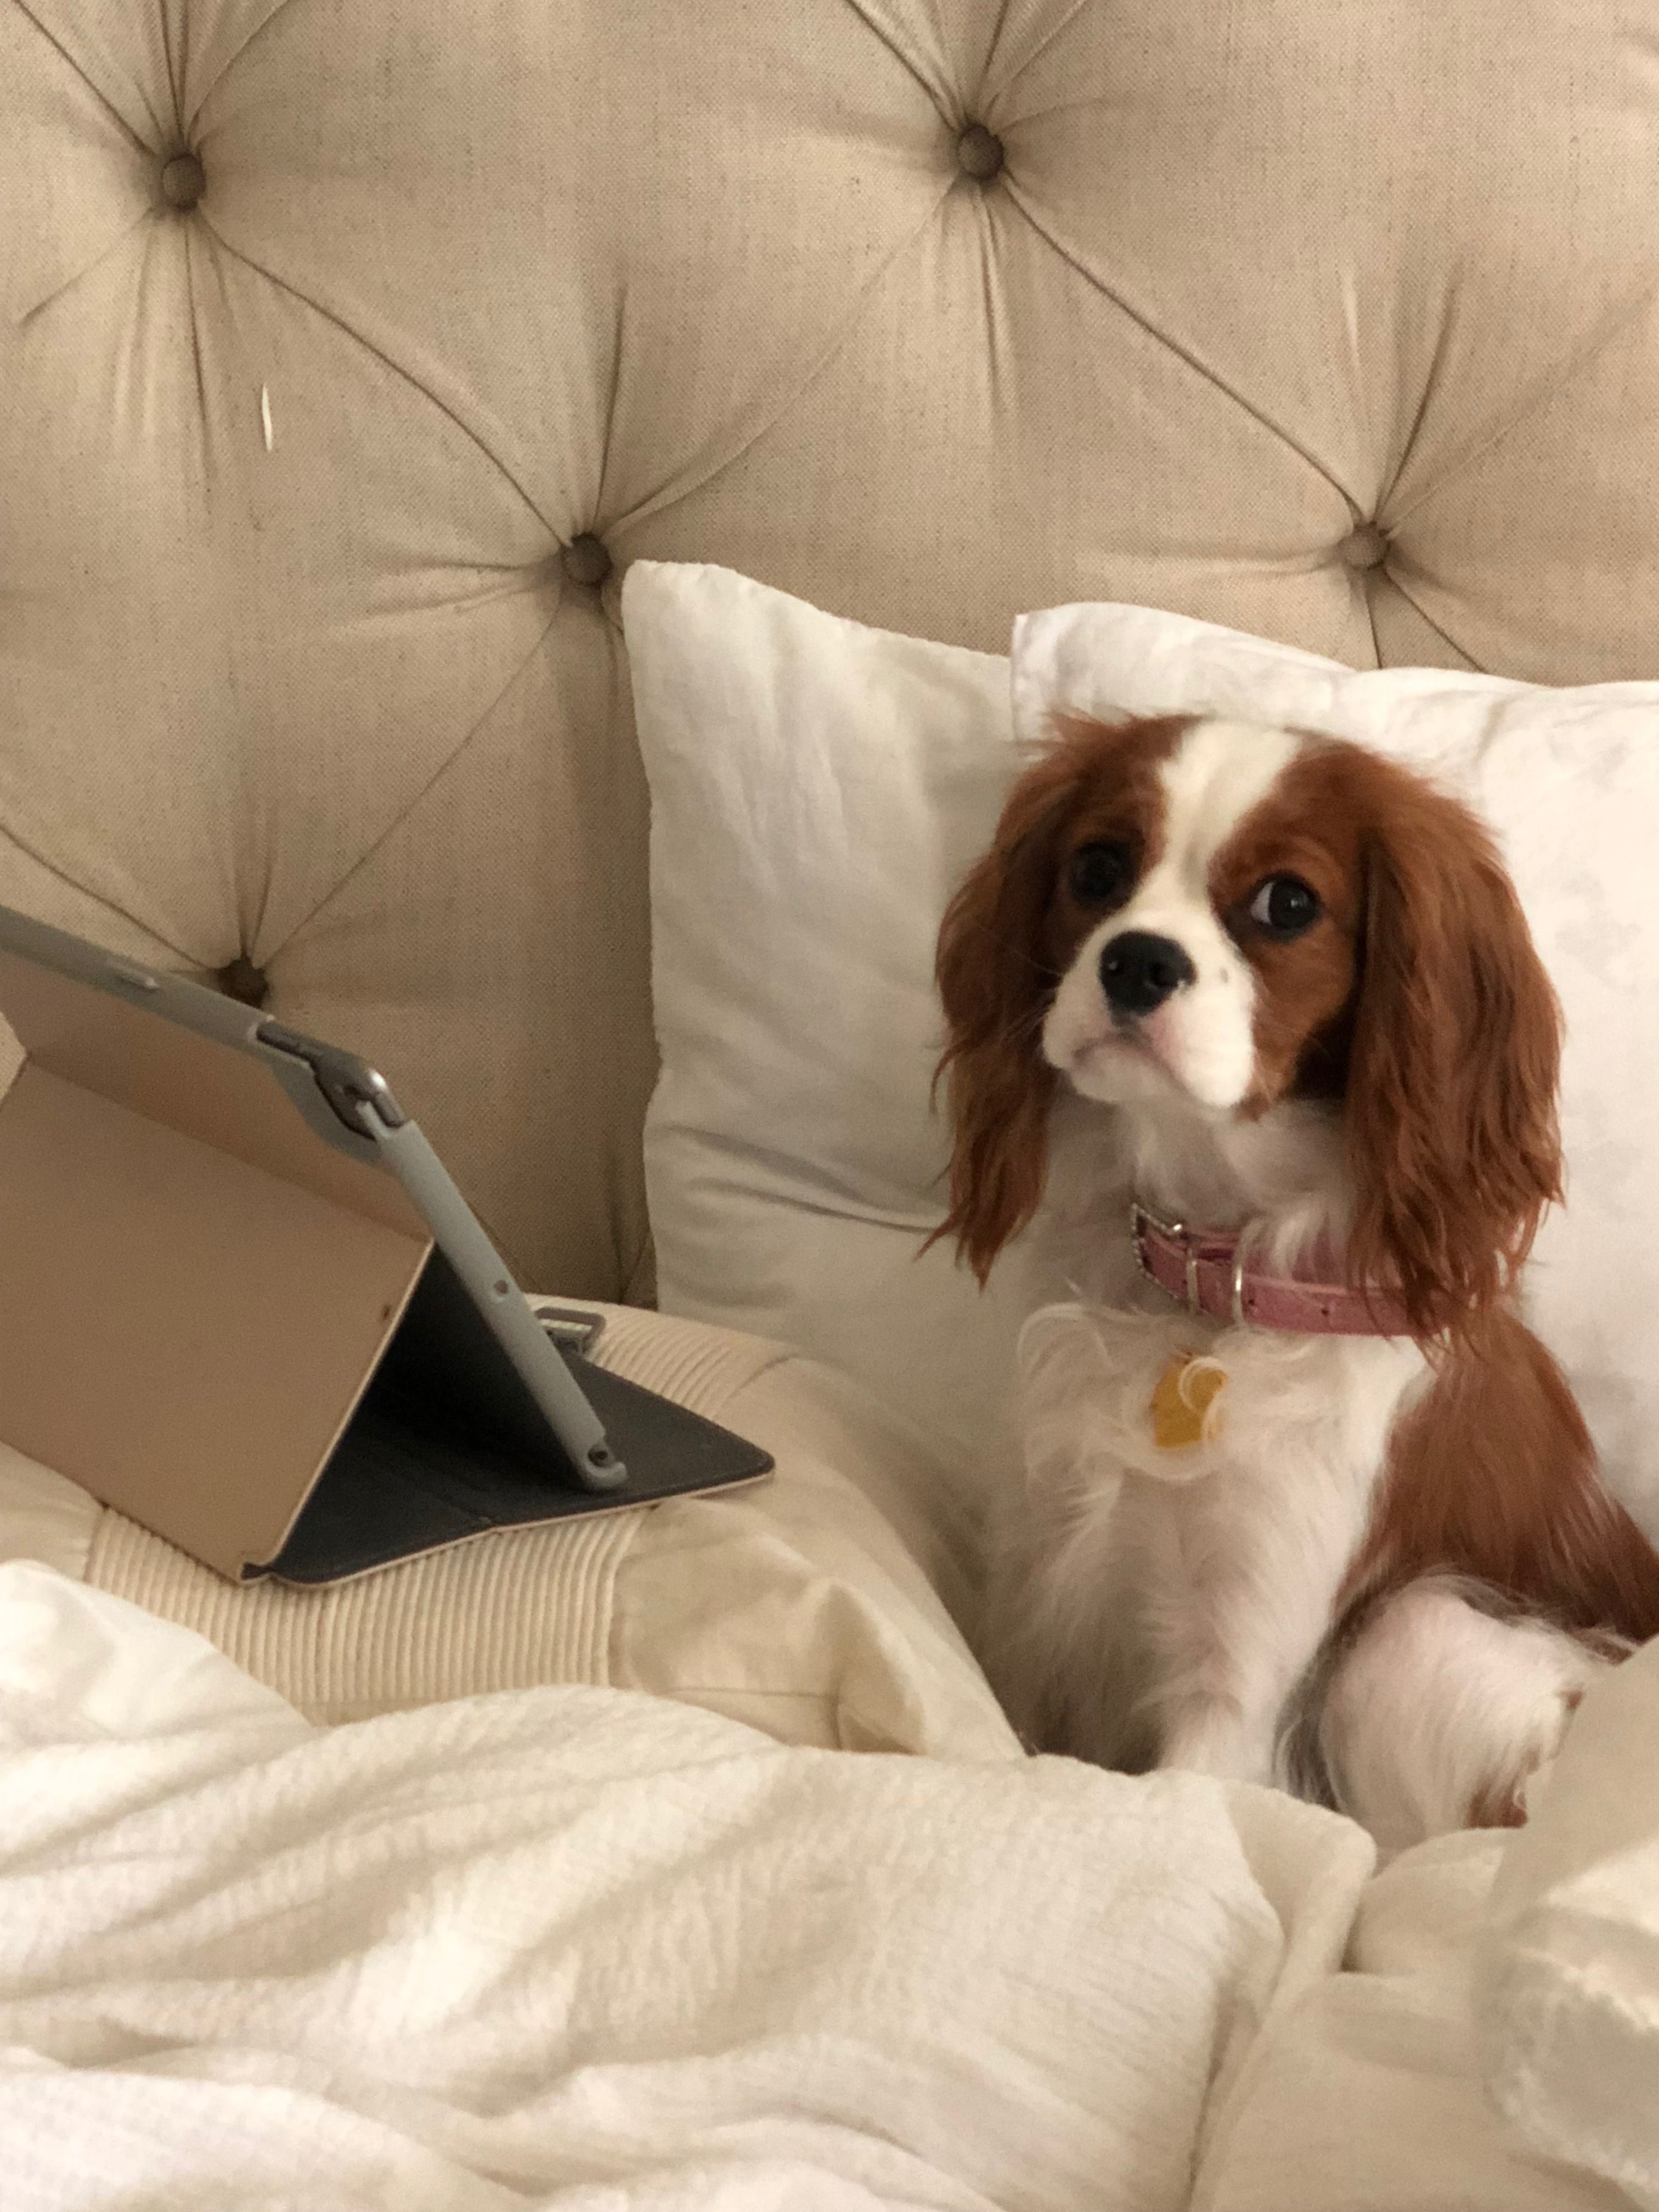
(242, 1301)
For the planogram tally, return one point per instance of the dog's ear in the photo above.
(996, 983)
(1450, 1120)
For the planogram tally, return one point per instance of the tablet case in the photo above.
(246, 1339)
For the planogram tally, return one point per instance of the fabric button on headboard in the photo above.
(182, 181)
(350, 353)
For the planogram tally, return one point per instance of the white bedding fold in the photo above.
(1568, 1979)
(584, 1947)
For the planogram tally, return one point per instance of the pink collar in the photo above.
(1206, 1270)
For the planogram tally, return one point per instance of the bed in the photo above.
(352, 359)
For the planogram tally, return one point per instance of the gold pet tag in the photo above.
(1183, 1404)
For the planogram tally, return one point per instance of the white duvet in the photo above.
(588, 1949)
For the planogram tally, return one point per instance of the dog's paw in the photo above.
(1501, 1800)
(1446, 1708)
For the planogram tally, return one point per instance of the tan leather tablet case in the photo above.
(174, 1236)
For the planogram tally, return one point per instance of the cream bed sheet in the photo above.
(822, 1607)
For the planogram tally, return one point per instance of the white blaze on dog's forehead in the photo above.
(1220, 773)
(1202, 1038)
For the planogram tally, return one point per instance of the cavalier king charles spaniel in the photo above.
(1246, 1025)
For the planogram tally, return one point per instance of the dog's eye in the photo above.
(1100, 874)
(1284, 907)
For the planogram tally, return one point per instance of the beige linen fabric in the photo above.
(295, 664)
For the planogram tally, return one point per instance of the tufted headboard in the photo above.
(352, 348)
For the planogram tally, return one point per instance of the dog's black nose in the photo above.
(1138, 971)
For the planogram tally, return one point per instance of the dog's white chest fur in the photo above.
(1189, 1586)
(1210, 1570)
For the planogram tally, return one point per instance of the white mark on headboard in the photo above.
(265, 413)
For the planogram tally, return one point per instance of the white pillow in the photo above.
(818, 789)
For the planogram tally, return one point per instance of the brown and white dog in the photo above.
(1246, 1023)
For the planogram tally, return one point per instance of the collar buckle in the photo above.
(1142, 1220)
(1188, 1242)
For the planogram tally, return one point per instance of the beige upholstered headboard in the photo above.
(352, 348)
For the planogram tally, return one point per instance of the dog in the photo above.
(1251, 1059)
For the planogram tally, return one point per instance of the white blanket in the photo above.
(590, 1949)
(1568, 1972)
(1365, 2094)
(587, 1950)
